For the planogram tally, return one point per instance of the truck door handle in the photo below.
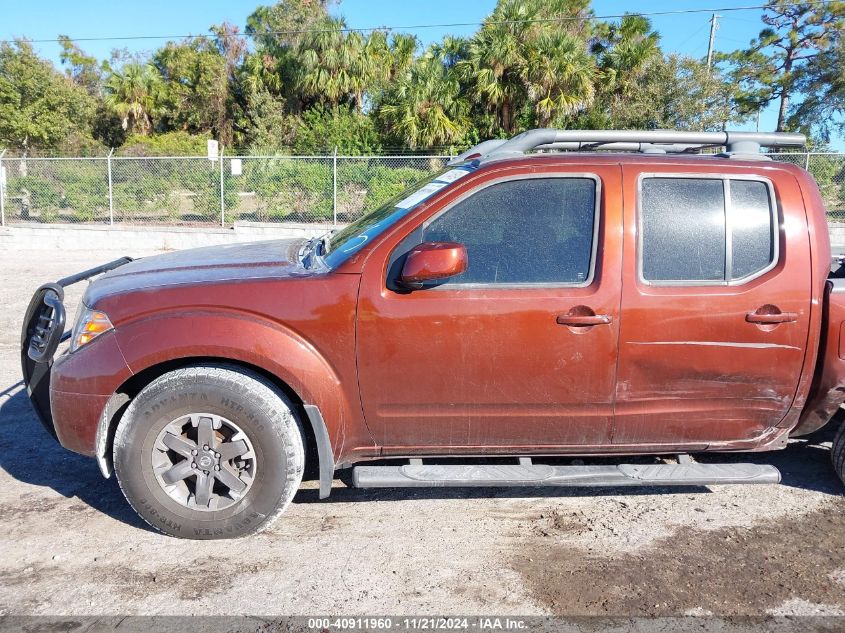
(769, 319)
(584, 320)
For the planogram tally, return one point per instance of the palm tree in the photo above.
(322, 74)
(370, 61)
(624, 52)
(403, 47)
(451, 50)
(259, 72)
(425, 106)
(494, 63)
(524, 58)
(559, 73)
(334, 67)
(132, 93)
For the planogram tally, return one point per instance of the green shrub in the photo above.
(206, 189)
(829, 172)
(169, 144)
(145, 198)
(386, 183)
(36, 193)
(294, 189)
(321, 130)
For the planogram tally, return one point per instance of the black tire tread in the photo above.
(837, 453)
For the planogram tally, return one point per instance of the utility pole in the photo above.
(714, 24)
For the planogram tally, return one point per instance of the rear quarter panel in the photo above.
(824, 380)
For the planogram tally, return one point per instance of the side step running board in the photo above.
(526, 474)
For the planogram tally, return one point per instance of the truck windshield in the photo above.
(342, 245)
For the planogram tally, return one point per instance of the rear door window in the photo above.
(683, 229)
(752, 227)
(705, 230)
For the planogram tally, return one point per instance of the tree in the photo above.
(282, 25)
(677, 92)
(257, 73)
(198, 77)
(82, 69)
(627, 53)
(324, 74)
(526, 57)
(88, 73)
(403, 48)
(310, 84)
(132, 93)
(768, 71)
(266, 127)
(337, 67)
(426, 106)
(277, 31)
(321, 131)
(822, 84)
(558, 75)
(39, 107)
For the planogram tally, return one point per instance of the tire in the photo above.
(837, 453)
(209, 452)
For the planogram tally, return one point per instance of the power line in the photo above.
(684, 45)
(414, 27)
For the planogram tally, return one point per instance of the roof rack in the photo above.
(736, 144)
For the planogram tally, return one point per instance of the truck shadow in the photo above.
(30, 455)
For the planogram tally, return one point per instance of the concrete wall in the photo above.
(76, 237)
(837, 237)
(81, 237)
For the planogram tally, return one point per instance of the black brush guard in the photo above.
(43, 330)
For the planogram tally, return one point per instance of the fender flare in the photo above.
(325, 454)
(275, 350)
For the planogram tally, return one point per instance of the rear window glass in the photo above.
(752, 246)
(683, 224)
(705, 229)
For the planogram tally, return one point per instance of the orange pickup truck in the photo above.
(558, 294)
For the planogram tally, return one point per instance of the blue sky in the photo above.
(42, 19)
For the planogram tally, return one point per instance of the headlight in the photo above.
(89, 325)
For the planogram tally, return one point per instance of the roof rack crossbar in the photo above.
(734, 142)
(661, 148)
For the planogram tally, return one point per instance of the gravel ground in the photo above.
(71, 545)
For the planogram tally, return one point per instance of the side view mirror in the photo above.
(433, 261)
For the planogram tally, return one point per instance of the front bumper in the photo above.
(42, 333)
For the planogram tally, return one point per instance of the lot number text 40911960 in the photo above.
(422, 623)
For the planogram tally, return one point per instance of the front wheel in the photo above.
(209, 452)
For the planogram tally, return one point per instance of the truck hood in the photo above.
(210, 264)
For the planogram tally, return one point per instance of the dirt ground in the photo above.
(71, 545)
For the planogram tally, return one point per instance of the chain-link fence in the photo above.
(829, 171)
(196, 191)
